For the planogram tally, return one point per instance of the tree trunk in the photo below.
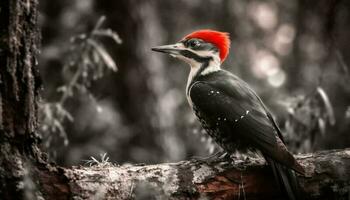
(25, 175)
(19, 87)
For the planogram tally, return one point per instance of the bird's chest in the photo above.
(218, 127)
(210, 126)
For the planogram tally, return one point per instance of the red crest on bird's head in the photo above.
(220, 39)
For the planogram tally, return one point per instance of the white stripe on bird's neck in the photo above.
(213, 66)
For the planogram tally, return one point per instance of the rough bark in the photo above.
(19, 87)
(327, 177)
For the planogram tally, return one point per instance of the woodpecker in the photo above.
(229, 110)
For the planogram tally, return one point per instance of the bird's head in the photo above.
(199, 46)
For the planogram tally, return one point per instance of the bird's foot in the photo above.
(239, 160)
(239, 165)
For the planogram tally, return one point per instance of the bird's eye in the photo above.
(194, 43)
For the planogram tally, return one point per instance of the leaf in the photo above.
(100, 22)
(62, 89)
(341, 62)
(327, 104)
(108, 33)
(104, 55)
(61, 111)
(322, 126)
(347, 113)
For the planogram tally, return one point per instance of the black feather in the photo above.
(286, 180)
(236, 118)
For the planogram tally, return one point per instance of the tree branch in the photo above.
(327, 177)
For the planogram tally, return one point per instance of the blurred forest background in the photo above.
(295, 54)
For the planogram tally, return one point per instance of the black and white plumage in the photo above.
(231, 112)
(226, 104)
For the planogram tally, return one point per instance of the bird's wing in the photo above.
(233, 99)
(269, 115)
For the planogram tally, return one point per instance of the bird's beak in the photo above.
(172, 49)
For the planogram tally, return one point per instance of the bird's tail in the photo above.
(286, 180)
